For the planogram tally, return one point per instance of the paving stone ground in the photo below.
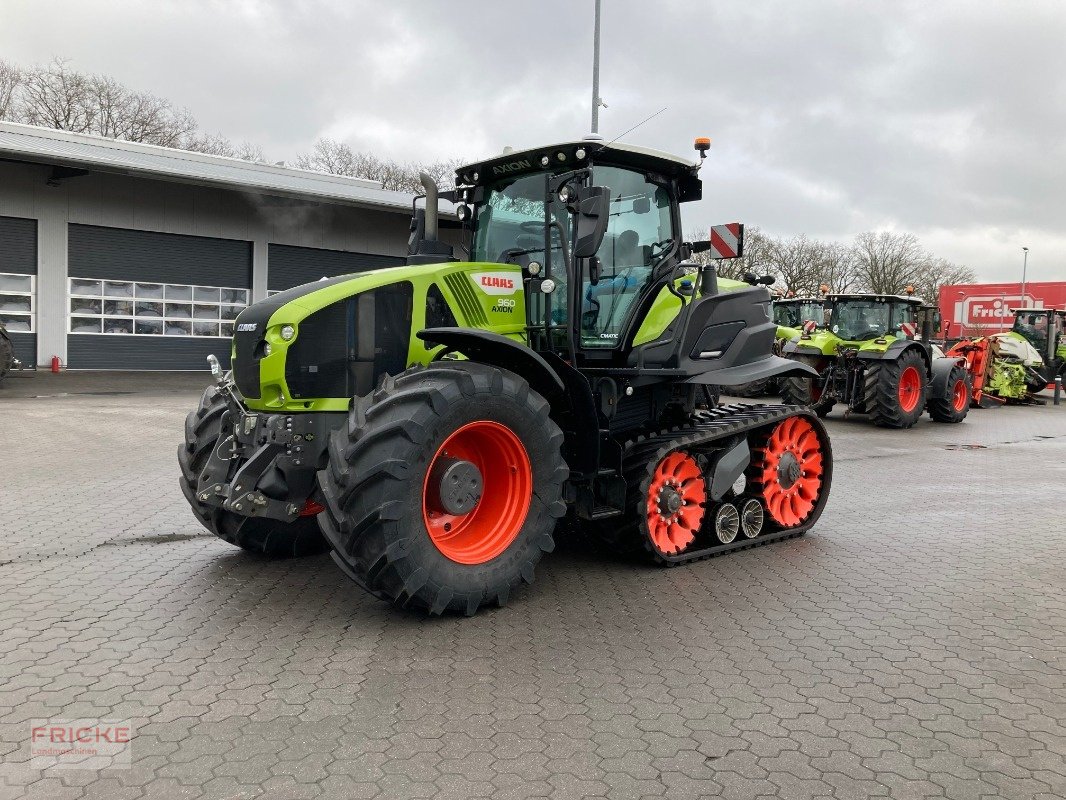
(912, 645)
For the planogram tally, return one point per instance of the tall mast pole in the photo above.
(596, 72)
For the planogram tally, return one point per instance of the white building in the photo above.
(115, 255)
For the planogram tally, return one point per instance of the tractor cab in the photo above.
(595, 230)
(1043, 328)
(865, 317)
(792, 312)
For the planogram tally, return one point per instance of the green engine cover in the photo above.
(478, 295)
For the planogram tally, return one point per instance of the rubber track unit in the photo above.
(377, 465)
(881, 391)
(203, 429)
(705, 428)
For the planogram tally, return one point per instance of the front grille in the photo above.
(245, 365)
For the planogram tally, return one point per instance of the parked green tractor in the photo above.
(789, 314)
(1045, 330)
(437, 420)
(870, 359)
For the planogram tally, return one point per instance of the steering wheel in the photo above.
(665, 244)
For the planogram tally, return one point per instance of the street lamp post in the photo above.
(1025, 264)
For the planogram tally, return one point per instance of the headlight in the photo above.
(287, 332)
(267, 349)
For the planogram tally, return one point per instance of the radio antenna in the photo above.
(625, 133)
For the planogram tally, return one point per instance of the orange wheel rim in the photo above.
(792, 469)
(489, 528)
(910, 389)
(674, 505)
(960, 396)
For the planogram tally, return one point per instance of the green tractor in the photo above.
(1045, 330)
(870, 359)
(789, 314)
(436, 421)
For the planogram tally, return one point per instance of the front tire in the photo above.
(955, 403)
(400, 522)
(204, 427)
(807, 392)
(896, 390)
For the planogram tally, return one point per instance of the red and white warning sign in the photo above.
(908, 329)
(727, 241)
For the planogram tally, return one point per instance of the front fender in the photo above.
(769, 367)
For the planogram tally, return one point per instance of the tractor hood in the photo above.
(314, 347)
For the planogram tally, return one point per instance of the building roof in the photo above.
(32, 144)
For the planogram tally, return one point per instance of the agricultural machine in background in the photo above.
(789, 314)
(436, 421)
(870, 359)
(1015, 365)
(7, 353)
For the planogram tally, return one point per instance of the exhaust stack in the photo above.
(424, 247)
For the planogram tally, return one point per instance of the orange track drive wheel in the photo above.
(674, 504)
(477, 492)
(791, 471)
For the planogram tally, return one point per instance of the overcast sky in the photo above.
(945, 119)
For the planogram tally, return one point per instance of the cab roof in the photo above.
(877, 298)
(579, 153)
(1028, 310)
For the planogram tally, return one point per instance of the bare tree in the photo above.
(55, 96)
(337, 158)
(797, 263)
(837, 267)
(888, 262)
(10, 81)
(937, 272)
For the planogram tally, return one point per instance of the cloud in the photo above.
(828, 117)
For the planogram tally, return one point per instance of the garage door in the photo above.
(290, 266)
(146, 300)
(18, 285)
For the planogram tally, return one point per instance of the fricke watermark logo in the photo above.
(80, 744)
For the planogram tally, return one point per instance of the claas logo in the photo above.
(496, 283)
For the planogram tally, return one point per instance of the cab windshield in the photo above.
(1034, 328)
(793, 315)
(509, 228)
(859, 320)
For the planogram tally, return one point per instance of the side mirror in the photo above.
(591, 208)
(767, 280)
(641, 205)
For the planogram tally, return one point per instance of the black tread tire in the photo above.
(942, 409)
(7, 356)
(750, 389)
(268, 537)
(377, 464)
(881, 391)
(797, 391)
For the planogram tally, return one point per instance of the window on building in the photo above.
(153, 309)
(16, 302)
